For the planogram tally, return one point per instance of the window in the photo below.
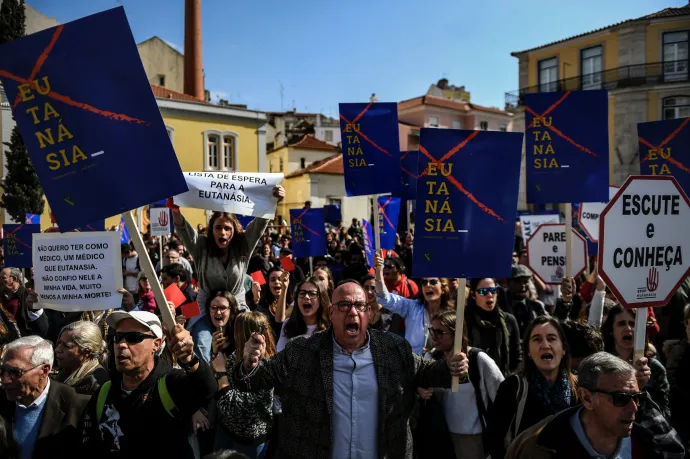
(548, 75)
(484, 125)
(302, 163)
(456, 124)
(335, 201)
(591, 67)
(676, 56)
(221, 150)
(676, 107)
(433, 121)
(161, 80)
(281, 165)
(329, 135)
(270, 166)
(503, 127)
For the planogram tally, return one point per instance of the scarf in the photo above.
(556, 397)
(491, 322)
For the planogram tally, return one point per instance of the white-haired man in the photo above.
(45, 414)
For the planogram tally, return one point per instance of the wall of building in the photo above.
(273, 159)
(297, 191)
(35, 20)
(419, 116)
(310, 157)
(325, 187)
(159, 58)
(320, 133)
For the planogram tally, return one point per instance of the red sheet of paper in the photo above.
(287, 264)
(258, 277)
(173, 293)
(190, 310)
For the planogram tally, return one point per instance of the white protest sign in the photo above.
(241, 193)
(645, 233)
(78, 271)
(530, 223)
(546, 253)
(589, 215)
(159, 218)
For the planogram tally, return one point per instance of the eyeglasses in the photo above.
(132, 337)
(220, 309)
(345, 306)
(390, 266)
(430, 282)
(621, 399)
(15, 373)
(310, 293)
(486, 290)
(437, 333)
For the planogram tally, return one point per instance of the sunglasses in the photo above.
(429, 281)
(621, 399)
(132, 337)
(437, 333)
(486, 290)
(16, 373)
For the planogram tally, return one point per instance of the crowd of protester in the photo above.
(338, 359)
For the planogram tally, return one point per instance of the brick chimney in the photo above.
(193, 64)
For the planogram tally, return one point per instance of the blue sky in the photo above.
(324, 51)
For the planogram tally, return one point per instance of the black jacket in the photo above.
(137, 426)
(26, 326)
(59, 426)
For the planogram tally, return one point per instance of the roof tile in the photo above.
(165, 93)
(331, 165)
(309, 142)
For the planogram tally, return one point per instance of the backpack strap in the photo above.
(166, 399)
(521, 399)
(475, 378)
(102, 396)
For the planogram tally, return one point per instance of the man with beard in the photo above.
(145, 410)
(518, 301)
(348, 391)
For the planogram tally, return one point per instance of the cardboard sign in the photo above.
(78, 271)
(332, 214)
(371, 148)
(85, 129)
(173, 293)
(308, 232)
(241, 193)
(664, 148)
(17, 243)
(546, 253)
(588, 216)
(368, 237)
(388, 212)
(160, 220)
(567, 146)
(287, 264)
(644, 244)
(530, 223)
(258, 277)
(466, 204)
(409, 174)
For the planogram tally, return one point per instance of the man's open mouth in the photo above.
(352, 328)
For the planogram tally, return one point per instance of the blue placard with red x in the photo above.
(17, 245)
(466, 203)
(371, 148)
(124, 232)
(567, 147)
(664, 148)
(32, 219)
(85, 109)
(368, 237)
(389, 211)
(408, 173)
(308, 232)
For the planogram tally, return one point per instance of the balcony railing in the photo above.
(618, 78)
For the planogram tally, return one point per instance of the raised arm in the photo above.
(392, 302)
(281, 307)
(253, 373)
(189, 236)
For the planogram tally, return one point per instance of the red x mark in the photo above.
(382, 211)
(298, 220)
(360, 133)
(670, 137)
(17, 239)
(408, 172)
(59, 97)
(553, 129)
(452, 180)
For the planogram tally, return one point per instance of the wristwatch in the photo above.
(189, 365)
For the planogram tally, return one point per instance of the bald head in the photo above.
(349, 291)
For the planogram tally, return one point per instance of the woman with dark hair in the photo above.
(223, 310)
(221, 255)
(618, 331)
(434, 297)
(542, 387)
(490, 328)
(275, 296)
(310, 314)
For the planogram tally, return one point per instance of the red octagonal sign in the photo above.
(644, 244)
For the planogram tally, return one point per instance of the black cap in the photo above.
(519, 271)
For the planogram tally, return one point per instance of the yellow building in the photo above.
(642, 62)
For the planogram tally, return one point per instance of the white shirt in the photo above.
(40, 399)
(283, 340)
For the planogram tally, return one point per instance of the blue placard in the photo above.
(124, 232)
(567, 147)
(368, 238)
(32, 219)
(408, 173)
(308, 232)
(332, 213)
(244, 220)
(93, 226)
(466, 205)
(85, 109)
(389, 211)
(592, 247)
(371, 148)
(17, 245)
(664, 148)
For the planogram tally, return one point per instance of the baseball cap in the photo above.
(519, 271)
(147, 319)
